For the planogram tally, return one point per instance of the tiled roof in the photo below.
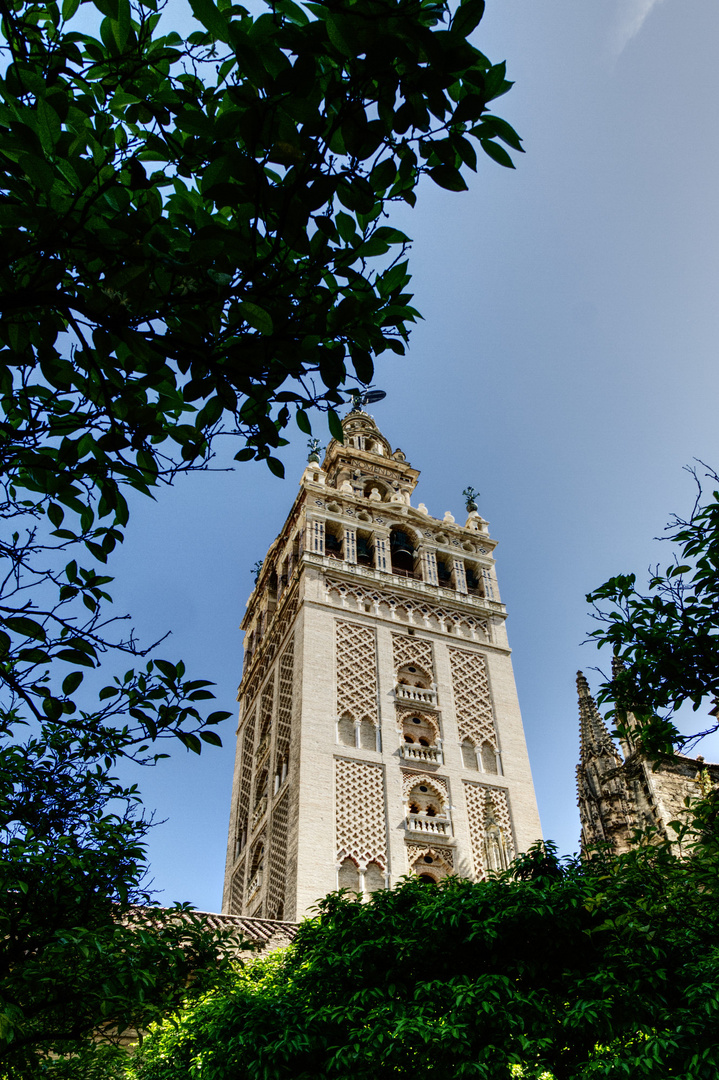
(259, 930)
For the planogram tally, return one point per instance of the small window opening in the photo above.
(423, 742)
(409, 739)
(428, 878)
(428, 859)
(423, 788)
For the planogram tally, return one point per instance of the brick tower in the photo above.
(380, 733)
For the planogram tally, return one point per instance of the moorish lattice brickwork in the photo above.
(472, 700)
(379, 731)
(410, 651)
(357, 671)
(360, 816)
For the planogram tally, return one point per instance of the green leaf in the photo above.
(168, 670)
(275, 466)
(303, 421)
(20, 624)
(206, 12)
(497, 153)
(256, 317)
(71, 682)
(335, 426)
(69, 7)
(467, 17)
(447, 177)
(211, 737)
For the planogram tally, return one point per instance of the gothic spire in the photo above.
(594, 737)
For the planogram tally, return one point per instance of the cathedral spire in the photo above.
(594, 737)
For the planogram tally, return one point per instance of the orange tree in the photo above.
(554, 970)
(195, 242)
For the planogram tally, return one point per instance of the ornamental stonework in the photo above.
(411, 650)
(356, 671)
(488, 814)
(360, 822)
(472, 700)
(413, 611)
(278, 859)
(416, 854)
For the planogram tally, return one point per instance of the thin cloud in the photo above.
(631, 18)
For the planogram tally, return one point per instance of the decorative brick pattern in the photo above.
(237, 890)
(487, 809)
(267, 649)
(412, 650)
(472, 702)
(266, 706)
(416, 612)
(361, 827)
(284, 705)
(278, 859)
(356, 671)
(243, 809)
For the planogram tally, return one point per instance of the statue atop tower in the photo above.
(379, 729)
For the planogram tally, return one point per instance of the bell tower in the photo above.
(379, 733)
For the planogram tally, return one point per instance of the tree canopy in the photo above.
(196, 244)
(664, 640)
(555, 969)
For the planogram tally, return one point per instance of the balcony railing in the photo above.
(432, 826)
(416, 694)
(255, 885)
(407, 573)
(260, 811)
(429, 754)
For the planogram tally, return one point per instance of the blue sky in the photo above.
(566, 366)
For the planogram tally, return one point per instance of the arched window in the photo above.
(258, 854)
(489, 758)
(333, 540)
(426, 801)
(348, 876)
(374, 878)
(474, 579)
(444, 570)
(346, 730)
(469, 755)
(261, 786)
(402, 552)
(365, 549)
(367, 735)
(418, 729)
(411, 675)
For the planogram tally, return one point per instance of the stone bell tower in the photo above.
(380, 733)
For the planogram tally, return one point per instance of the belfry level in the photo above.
(379, 733)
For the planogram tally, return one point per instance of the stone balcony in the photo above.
(428, 826)
(254, 887)
(425, 755)
(416, 695)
